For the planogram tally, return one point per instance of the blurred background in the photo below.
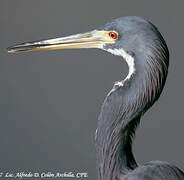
(50, 101)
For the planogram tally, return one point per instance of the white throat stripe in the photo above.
(127, 57)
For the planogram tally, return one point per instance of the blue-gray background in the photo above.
(49, 101)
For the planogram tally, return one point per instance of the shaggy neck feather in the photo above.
(116, 129)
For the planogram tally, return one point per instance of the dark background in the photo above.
(50, 101)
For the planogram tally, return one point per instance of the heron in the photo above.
(144, 49)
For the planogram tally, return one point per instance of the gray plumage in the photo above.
(123, 108)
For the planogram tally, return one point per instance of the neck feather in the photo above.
(122, 110)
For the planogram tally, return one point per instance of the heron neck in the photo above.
(114, 139)
(119, 117)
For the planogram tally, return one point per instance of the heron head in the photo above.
(132, 36)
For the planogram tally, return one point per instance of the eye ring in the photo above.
(113, 35)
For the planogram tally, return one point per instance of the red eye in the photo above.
(113, 35)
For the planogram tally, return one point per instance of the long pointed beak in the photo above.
(93, 39)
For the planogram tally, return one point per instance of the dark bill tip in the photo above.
(25, 47)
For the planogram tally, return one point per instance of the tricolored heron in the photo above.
(142, 46)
